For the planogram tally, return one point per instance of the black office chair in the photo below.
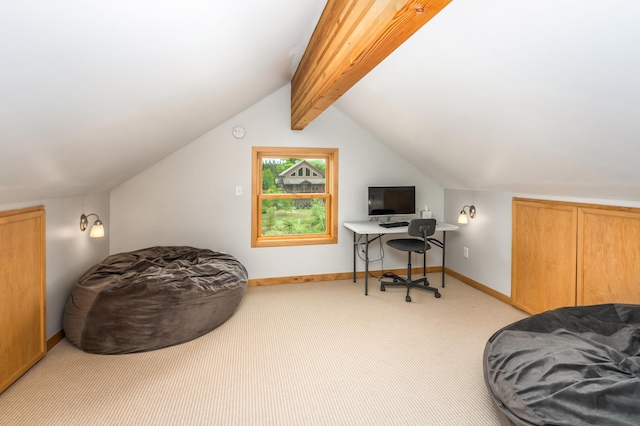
(422, 228)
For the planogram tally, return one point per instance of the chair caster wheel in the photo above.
(438, 295)
(382, 288)
(408, 298)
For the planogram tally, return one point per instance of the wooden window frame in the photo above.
(330, 195)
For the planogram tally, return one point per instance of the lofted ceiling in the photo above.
(92, 93)
(533, 97)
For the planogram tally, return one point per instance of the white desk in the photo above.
(367, 228)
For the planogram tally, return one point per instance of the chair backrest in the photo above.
(422, 228)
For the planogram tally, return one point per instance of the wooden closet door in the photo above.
(543, 271)
(608, 256)
(22, 292)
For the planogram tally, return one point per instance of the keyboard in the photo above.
(393, 224)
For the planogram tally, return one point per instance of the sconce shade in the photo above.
(97, 230)
(463, 218)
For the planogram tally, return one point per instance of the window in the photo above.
(289, 208)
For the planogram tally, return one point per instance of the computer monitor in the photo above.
(392, 200)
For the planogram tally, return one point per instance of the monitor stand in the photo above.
(388, 220)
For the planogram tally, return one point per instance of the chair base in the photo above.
(402, 281)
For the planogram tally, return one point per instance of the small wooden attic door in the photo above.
(22, 292)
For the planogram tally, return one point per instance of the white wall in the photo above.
(488, 236)
(70, 252)
(189, 197)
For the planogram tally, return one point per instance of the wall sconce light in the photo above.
(97, 230)
(463, 218)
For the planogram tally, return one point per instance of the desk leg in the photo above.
(355, 251)
(444, 244)
(366, 265)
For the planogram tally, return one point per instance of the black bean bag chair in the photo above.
(570, 366)
(152, 298)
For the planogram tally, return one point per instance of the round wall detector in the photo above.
(238, 132)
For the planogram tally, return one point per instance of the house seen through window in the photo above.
(294, 196)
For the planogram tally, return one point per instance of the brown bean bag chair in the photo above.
(152, 298)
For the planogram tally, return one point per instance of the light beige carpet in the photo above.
(297, 354)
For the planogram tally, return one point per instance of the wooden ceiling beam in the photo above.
(352, 37)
